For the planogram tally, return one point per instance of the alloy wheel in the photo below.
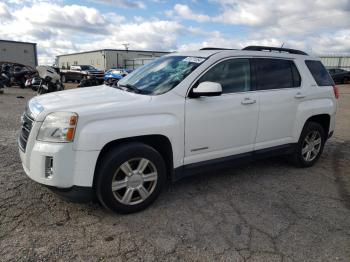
(134, 181)
(311, 146)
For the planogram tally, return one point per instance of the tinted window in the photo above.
(87, 67)
(233, 75)
(276, 74)
(319, 73)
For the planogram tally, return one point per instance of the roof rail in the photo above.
(276, 49)
(216, 48)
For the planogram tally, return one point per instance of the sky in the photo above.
(66, 26)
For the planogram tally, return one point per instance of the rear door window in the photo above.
(319, 73)
(276, 74)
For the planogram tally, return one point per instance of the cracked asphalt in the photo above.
(263, 211)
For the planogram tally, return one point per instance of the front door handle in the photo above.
(248, 101)
(299, 95)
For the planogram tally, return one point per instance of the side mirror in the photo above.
(207, 89)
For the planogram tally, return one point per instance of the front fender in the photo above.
(93, 136)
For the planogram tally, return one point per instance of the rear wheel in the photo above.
(345, 80)
(130, 178)
(310, 145)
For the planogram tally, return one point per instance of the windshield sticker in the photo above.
(196, 60)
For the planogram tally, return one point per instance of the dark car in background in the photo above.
(82, 72)
(340, 76)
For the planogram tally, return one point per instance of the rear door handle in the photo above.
(248, 101)
(299, 95)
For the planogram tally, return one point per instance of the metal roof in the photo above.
(11, 41)
(123, 50)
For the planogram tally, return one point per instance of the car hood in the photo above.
(85, 100)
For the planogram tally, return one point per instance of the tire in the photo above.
(63, 79)
(312, 139)
(345, 80)
(134, 193)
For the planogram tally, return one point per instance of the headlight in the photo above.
(58, 127)
(33, 108)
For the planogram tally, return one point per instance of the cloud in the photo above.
(328, 43)
(72, 28)
(68, 17)
(146, 35)
(339, 42)
(314, 26)
(121, 3)
(56, 29)
(183, 11)
(299, 23)
(216, 39)
(5, 14)
(271, 13)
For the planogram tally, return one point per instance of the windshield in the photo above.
(161, 75)
(87, 67)
(113, 71)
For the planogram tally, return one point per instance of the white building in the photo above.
(336, 61)
(107, 58)
(18, 52)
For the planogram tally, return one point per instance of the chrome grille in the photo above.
(26, 127)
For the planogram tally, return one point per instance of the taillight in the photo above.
(336, 91)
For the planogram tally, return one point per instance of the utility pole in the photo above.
(126, 45)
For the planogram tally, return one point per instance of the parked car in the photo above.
(80, 72)
(340, 76)
(113, 75)
(178, 115)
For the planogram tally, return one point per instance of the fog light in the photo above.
(48, 167)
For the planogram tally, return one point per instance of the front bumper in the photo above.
(72, 170)
(76, 194)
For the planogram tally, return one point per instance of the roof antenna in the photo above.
(282, 45)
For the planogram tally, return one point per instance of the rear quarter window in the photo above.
(319, 73)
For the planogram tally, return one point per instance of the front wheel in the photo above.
(130, 178)
(310, 145)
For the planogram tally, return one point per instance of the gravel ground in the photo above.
(264, 211)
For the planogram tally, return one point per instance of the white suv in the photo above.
(173, 116)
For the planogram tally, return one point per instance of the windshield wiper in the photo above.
(130, 87)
